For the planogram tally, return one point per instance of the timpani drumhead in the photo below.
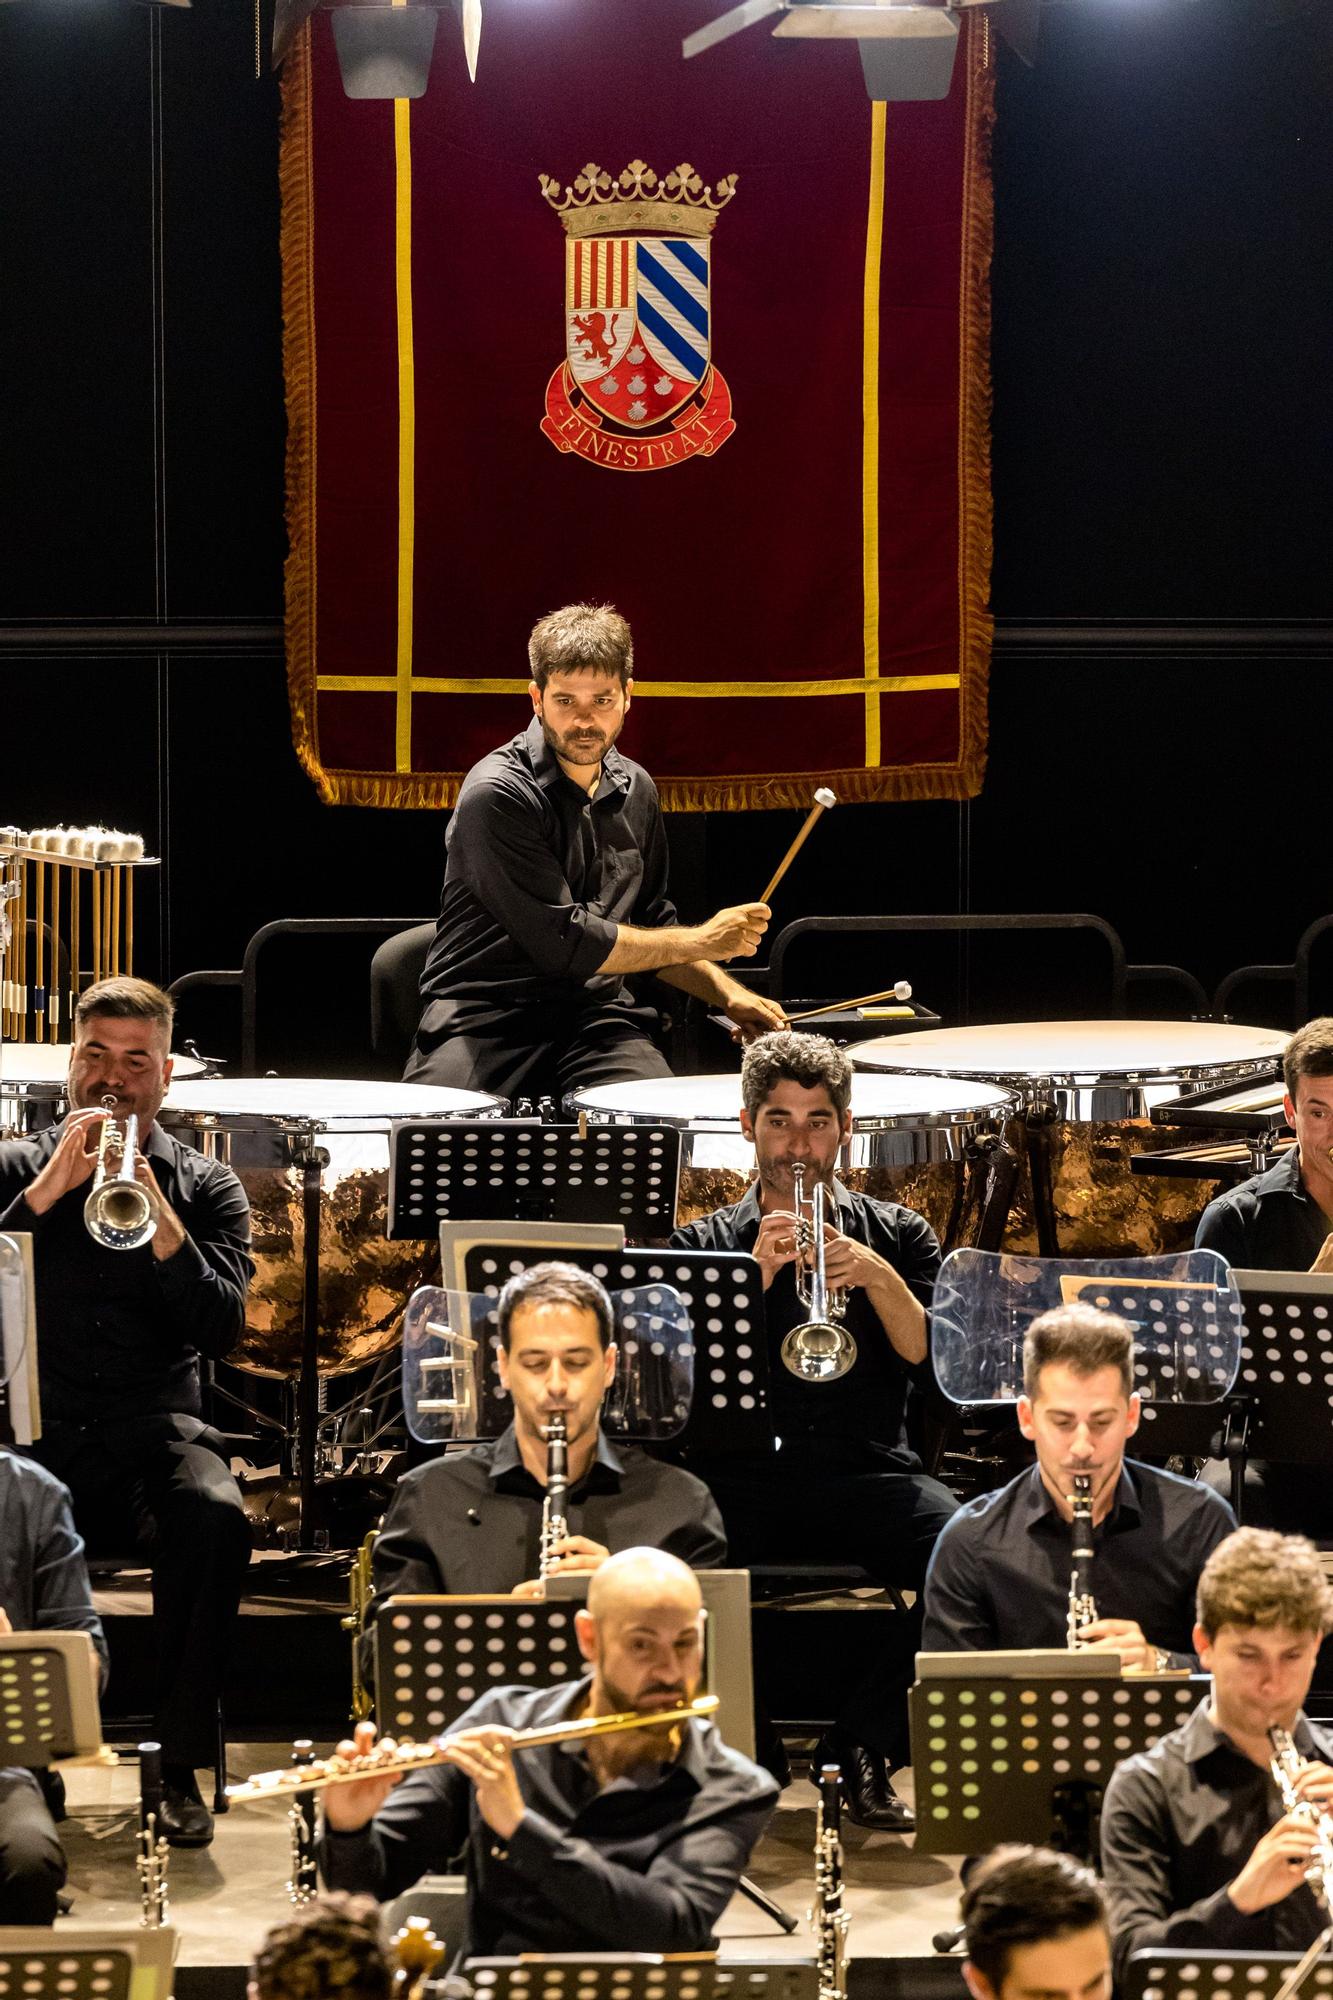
(1075, 1049)
(707, 1103)
(32, 1065)
(351, 1103)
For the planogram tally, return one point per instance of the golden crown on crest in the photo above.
(677, 203)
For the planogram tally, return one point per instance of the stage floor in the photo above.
(224, 1897)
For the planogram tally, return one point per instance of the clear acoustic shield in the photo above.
(1184, 1312)
(453, 1394)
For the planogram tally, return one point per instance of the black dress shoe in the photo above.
(184, 1819)
(868, 1796)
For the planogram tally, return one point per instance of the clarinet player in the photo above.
(1001, 1572)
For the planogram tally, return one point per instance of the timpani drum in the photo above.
(910, 1135)
(1087, 1090)
(32, 1082)
(265, 1128)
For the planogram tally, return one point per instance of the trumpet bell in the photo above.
(119, 1215)
(817, 1351)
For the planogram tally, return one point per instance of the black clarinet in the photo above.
(828, 1918)
(151, 1860)
(555, 1526)
(1082, 1606)
(304, 1880)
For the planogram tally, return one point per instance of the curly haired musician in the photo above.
(329, 1949)
(555, 894)
(120, 1333)
(1197, 1848)
(632, 1842)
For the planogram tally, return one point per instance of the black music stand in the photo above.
(1286, 1366)
(511, 1170)
(1219, 1975)
(75, 1963)
(434, 1656)
(640, 1976)
(1019, 1745)
(48, 1707)
(723, 1291)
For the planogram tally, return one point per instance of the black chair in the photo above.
(1297, 976)
(395, 994)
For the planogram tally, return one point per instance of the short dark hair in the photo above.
(581, 638)
(784, 1057)
(1081, 1337)
(559, 1285)
(1025, 1895)
(329, 1948)
(1308, 1053)
(126, 999)
(1258, 1577)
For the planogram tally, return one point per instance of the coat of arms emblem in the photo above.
(637, 389)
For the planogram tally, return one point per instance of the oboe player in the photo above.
(1000, 1574)
(630, 1842)
(1198, 1850)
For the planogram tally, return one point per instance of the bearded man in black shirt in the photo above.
(120, 1333)
(555, 892)
(844, 1483)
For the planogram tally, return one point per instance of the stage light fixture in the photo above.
(907, 47)
(384, 46)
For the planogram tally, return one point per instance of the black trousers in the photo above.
(510, 1062)
(32, 1862)
(801, 1508)
(151, 1486)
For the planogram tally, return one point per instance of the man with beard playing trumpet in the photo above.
(630, 1842)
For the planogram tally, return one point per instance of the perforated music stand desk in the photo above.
(640, 1976)
(1220, 1975)
(435, 1655)
(512, 1170)
(78, 1963)
(723, 1291)
(1286, 1365)
(48, 1708)
(1006, 1744)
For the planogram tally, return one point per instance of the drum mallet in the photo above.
(901, 991)
(824, 798)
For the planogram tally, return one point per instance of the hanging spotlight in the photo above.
(907, 47)
(384, 46)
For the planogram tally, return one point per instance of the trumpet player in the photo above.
(1199, 1848)
(632, 1842)
(121, 1333)
(845, 1484)
(1000, 1575)
(473, 1520)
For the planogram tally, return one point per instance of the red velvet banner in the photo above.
(704, 339)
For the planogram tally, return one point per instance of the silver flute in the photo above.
(555, 1527)
(1082, 1604)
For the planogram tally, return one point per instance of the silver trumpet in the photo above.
(118, 1213)
(1082, 1604)
(820, 1349)
(555, 1527)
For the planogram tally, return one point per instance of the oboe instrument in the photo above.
(555, 1527)
(151, 1859)
(398, 1759)
(1082, 1605)
(828, 1919)
(303, 1883)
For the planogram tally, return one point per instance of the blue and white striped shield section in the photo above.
(671, 294)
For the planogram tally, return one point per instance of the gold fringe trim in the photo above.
(424, 790)
(298, 364)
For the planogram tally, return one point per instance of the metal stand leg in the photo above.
(221, 1803)
(767, 1905)
(307, 1388)
(1038, 1125)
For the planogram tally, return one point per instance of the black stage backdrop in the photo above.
(1163, 321)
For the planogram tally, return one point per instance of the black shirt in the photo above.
(472, 1521)
(865, 1406)
(43, 1577)
(537, 881)
(1179, 1822)
(1268, 1223)
(999, 1574)
(649, 1864)
(119, 1332)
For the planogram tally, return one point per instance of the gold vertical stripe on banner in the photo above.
(407, 424)
(870, 431)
